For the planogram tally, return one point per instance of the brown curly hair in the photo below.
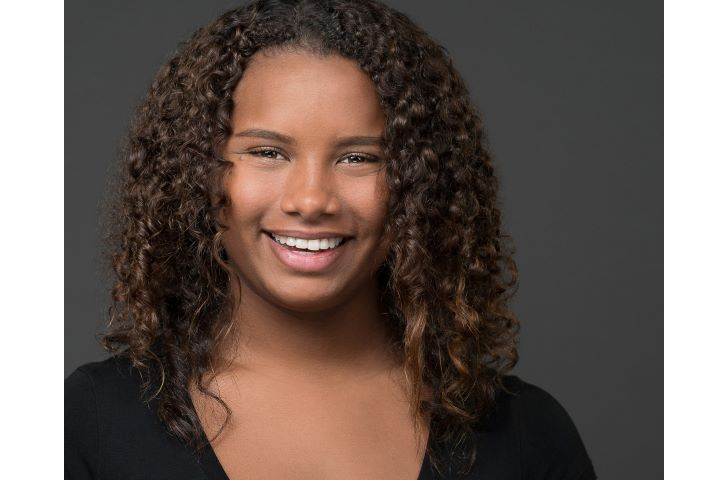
(447, 279)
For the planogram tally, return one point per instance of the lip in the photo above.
(306, 262)
(306, 235)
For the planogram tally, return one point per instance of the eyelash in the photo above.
(367, 158)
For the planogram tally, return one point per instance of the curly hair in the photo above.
(449, 274)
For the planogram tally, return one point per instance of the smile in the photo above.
(307, 255)
(308, 244)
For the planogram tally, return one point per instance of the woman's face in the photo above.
(307, 166)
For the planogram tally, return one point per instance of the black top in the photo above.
(111, 434)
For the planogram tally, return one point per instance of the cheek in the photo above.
(249, 197)
(368, 202)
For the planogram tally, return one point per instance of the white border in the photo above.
(31, 245)
(33, 238)
(692, 241)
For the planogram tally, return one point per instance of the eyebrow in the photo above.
(354, 140)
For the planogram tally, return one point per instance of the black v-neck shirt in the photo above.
(111, 434)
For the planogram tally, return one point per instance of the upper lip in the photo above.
(306, 235)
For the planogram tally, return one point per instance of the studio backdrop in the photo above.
(571, 95)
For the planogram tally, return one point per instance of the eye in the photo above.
(270, 153)
(358, 158)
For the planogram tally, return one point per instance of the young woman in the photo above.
(312, 281)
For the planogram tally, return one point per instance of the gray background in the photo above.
(571, 93)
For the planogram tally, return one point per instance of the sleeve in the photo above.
(81, 428)
(552, 446)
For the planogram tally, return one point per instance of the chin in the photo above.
(308, 302)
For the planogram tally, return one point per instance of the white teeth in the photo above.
(316, 244)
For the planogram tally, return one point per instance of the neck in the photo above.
(346, 341)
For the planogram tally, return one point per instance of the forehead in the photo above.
(284, 88)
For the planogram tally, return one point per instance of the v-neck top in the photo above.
(213, 470)
(110, 433)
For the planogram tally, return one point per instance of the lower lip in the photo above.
(316, 261)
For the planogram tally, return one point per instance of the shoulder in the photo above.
(532, 426)
(111, 388)
(544, 420)
(88, 391)
(112, 432)
(106, 373)
(113, 379)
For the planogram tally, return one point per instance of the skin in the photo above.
(312, 385)
(325, 324)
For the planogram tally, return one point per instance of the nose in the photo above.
(310, 191)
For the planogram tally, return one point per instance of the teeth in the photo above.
(317, 244)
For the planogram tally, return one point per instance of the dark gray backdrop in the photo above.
(571, 93)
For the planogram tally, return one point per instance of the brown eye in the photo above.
(357, 158)
(266, 153)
